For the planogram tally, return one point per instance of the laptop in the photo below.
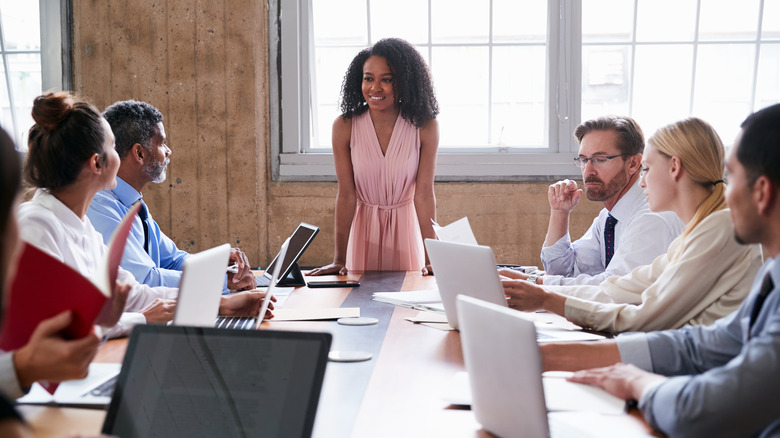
(504, 366)
(200, 287)
(206, 382)
(291, 275)
(463, 269)
(200, 292)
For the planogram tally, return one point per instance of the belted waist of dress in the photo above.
(387, 207)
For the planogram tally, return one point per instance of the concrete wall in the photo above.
(204, 64)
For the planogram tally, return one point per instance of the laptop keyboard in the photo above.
(236, 322)
(262, 281)
(105, 389)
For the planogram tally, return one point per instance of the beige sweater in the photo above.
(708, 281)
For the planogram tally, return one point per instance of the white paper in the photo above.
(428, 299)
(458, 232)
(559, 395)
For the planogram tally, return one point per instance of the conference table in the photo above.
(398, 392)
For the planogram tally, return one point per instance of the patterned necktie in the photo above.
(609, 239)
(766, 287)
(143, 213)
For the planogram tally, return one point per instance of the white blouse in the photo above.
(51, 226)
(707, 282)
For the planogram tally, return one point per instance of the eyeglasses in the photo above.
(597, 161)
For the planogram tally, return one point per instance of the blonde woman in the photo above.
(705, 274)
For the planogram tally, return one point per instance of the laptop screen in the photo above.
(187, 381)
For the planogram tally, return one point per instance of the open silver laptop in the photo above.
(200, 291)
(200, 287)
(463, 269)
(505, 374)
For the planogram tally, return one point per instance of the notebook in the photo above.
(291, 275)
(463, 269)
(207, 382)
(505, 373)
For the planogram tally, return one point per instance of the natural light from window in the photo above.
(20, 72)
(656, 60)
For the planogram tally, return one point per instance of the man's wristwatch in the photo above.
(532, 278)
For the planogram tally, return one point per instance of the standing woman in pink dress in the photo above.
(384, 147)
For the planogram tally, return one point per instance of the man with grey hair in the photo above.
(626, 234)
(150, 255)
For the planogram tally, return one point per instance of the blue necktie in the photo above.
(609, 239)
(143, 213)
(766, 286)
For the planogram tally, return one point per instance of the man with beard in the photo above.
(722, 379)
(626, 234)
(150, 255)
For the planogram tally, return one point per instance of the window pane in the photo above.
(518, 109)
(330, 64)
(607, 20)
(342, 23)
(25, 71)
(728, 20)
(655, 23)
(768, 85)
(605, 80)
(21, 25)
(407, 19)
(771, 26)
(662, 85)
(515, 20)
(460, 21)
(461, 77)
(723, 99)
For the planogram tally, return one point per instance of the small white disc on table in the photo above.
(348, 356)
(360, 320)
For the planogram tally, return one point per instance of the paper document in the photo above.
(562, 395)
(458, 231)
(428, 299)
(559, 395)
(315, 314)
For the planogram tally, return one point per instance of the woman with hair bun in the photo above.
(384, 147)
(71, 157)
(705, 274)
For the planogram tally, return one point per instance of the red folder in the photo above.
(31, 300)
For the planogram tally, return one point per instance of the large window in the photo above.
(31, 61)
(513, 78)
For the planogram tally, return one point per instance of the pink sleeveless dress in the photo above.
(385, 233)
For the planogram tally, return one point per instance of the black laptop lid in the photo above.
(207, 382)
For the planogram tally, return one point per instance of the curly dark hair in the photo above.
(412, 84)
(132, 122)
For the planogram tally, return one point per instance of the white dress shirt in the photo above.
(51, 226)
(640, 236)
(707, 281)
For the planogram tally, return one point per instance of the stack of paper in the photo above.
(429, 300)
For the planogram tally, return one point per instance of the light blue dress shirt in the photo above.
(726, 377)
(162, 265)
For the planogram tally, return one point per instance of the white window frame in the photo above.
(290, 103)
(56, 18)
